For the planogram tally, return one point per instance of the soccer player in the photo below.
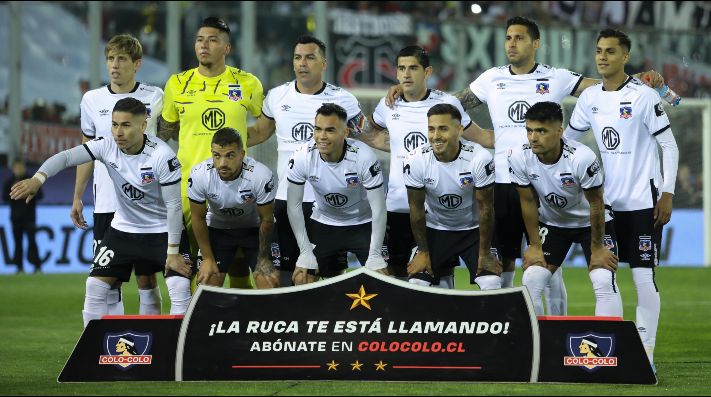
(568, 179)
(289, 111)
(399, 130)
(231, 199)
(202, 100)
(123, 59)
(628, 121)
(443, 177)
(146, 227)
(349, 212)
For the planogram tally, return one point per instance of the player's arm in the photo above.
(84, 171)
(467, 98)
(167, 130)
(307, 259)
(670, 164)
(376, 198)
(650, 78)
(601, 257)
(173, 204)
(375, 136)
(208, 264)
(28, 188)
(529, 210)
(418, 223)
(265, 275)
(479, 135)
(485, 199)
(262, 130)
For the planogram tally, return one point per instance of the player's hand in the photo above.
(208, 268)
(301, 276)
(603, 258)
(77, 214)
(25, 189)
(177, 263)
(420, 263)
(663, 210)
(533, 256)
(266, 276)
(376, 262)
(394, 92)
(490, 263)
(652, 79)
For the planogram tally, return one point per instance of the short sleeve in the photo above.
(479, 87)
(380, 115)
(169, 112)
(517, 169)
(483, 169)
(579, 121)
(87, 122)
(97, 148)
(169, 168)
(256, 98)
(298, 167)
(412, 171)
(655, 118)
(266, 191)
(371, 172)
(570, 81)
(267, 107)
(588, 169)
(156, 109)
(196, 188)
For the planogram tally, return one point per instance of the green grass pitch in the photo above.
(40, 321)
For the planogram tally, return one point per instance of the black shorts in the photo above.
(508, 221)
(285, 250)
(558, 240)
(399, 240)
(446, 247)
(102, 223)
(332, 241)
(226, 243)
(638, 239)
(119, 252)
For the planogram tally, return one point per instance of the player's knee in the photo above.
(602, 280)
(146, 282)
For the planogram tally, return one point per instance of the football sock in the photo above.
(607, 295)
(648, 308)
(179, 292)
(446, 282)
(535, 278)
(488, 282)
(556, 295)
(95, 300)
(114, 301)
(150, 301)
(507, 279)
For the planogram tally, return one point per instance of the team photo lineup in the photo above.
(456, 194)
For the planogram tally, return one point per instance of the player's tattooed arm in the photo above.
(529, 210)
(265, 275)
(375, 137)
(467, 98)
(416, 200)
(601, 257)
(167, 130)
(584, 84)
(485, 199)
(358, 125)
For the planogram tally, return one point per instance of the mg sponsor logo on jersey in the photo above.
(132, 192)
(302, 131)
(126, 349)
(232, 211)
(213, 119)
(414, 140)
(556, 200)
(590, 351)
(234, 92)
(336, 199)
(610, 138)
(450, 201)
(518, 110)
(645, 243)
(352, 180)
(625, 112)
(542, 88)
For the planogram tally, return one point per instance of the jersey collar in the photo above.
(427, 95)
(535, 66)
(323, 88)
(135, 87)
(620, 87)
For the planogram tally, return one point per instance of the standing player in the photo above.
(399, 130)
(628, 121)
(123, 59)
(202, 100)
(349, 213)
(231, 203)
(146, 228)
(289, 110)
(568, 179)
(443, 177)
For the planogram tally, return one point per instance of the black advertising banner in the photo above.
(590, 350)
(125, 348)
(360, 325)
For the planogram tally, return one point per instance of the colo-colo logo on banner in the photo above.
(126, 349)
(590, 351)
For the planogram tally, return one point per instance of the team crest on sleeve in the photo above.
(352, 180)
(126, 349)
(542, 88)
(625, 112)
(147, 177)
(234, 92)
(173, 164)
(590, 351)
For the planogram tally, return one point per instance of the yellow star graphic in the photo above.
(380, 366)
(361, 298)
(332, 365)
(356, 366)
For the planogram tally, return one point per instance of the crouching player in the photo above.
(568, 180)
(231, 205)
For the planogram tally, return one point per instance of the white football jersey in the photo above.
(137, 181)
(406, 123)
(339, 188)
(294, 114)
(509, 96)
(232, 204)
(96, 108)
(449, 187)
(624, 123)
(560, 186)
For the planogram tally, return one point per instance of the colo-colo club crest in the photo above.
(126, 349)
(590, 351)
